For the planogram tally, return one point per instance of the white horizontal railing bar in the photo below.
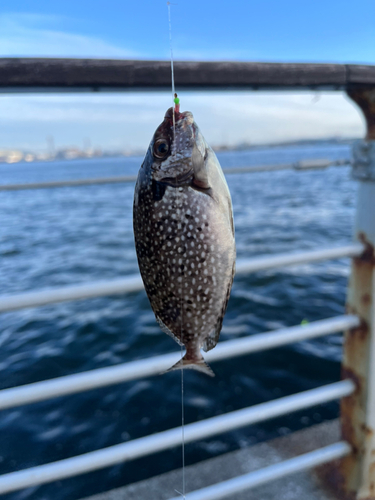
(134, 283)
(69, 183)
(133, 370)
(168, 439)
(301, 165)
(90, 290)
(271, 473)
(244, 266)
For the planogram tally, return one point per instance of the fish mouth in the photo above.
(178, 180)
(180, 117)
(169, 115)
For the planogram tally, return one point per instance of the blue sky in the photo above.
(319, 31)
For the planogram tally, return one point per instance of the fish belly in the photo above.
(185, 249)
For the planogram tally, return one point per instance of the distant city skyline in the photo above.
(11, 156)
(127, 122)
(263, 31)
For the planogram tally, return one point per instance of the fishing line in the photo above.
(172, 69)
(178, 205)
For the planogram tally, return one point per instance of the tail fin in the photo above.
(193, 364)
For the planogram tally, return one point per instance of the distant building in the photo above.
(14, 156)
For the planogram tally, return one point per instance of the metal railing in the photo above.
(358, 387)
(303, 165)
(133, 283)
(168, 439)
(126, 372)
(95, 75)
(271, 473)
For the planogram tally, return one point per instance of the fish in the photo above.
(184, 236)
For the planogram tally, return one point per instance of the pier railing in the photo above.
(95, 75)
(133, 283)
(63, 386)
(356, 469)
(318, 164)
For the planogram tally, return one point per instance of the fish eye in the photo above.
(161, 148)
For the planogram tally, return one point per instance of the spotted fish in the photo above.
(184, 236)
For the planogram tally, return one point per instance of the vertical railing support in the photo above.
(358, 410)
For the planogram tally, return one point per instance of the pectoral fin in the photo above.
(200, 177)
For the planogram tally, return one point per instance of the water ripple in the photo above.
(76, 235)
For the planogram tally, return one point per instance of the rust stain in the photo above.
(366, 299)
(355, 338)
(349, 406)
(345, 478)
(348, 433)
(347, 372)
(372, 475)
(359, 334)
(368, 431)
(372, 484)
(365, 98)
(332, 480)
(349, 309)
(362, 331)
(368, 255)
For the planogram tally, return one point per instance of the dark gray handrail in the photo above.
(48, 74)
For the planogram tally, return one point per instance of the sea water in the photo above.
(66, 236)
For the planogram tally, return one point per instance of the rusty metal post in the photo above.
(358, 410)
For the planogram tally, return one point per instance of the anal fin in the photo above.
(212, 339)
(168, 331)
